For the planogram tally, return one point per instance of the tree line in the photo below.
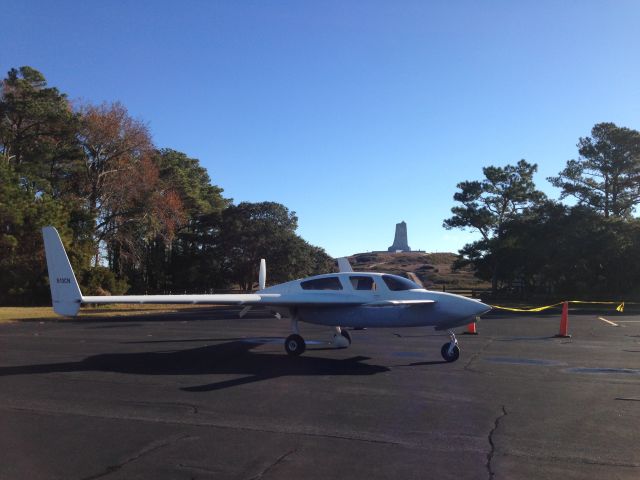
(144, 219)
(532, 245)
(134, 217)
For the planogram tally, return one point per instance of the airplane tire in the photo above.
(294, 345)
(346, 334)
(450, 357)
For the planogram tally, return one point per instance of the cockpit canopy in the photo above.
(360, 282)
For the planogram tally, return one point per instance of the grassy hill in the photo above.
(433, 269)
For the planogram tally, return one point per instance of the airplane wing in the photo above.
(67, 297)
(249, 299)
(213, 299)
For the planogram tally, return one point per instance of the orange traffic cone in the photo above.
(471, 329)
(564, 322)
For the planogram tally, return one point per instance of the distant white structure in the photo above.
(400, 242)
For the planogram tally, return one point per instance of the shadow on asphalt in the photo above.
(418, 364)
(230, 358)
(188, 340)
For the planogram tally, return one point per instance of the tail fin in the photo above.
(65, 292)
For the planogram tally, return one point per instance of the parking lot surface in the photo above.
(204, 394)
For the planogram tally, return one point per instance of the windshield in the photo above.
(397, 283)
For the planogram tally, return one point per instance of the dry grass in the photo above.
(433, 269)
(16, 314)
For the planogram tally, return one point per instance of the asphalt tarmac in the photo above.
(203, 394)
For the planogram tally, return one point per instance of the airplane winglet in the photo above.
(414, 278)
(262, 275)
(344, 265)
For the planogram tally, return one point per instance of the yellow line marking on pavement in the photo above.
(608, 321)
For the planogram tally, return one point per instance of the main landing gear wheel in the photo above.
(294, 345)
(448, 353)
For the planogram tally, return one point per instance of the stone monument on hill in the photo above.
(400, 242)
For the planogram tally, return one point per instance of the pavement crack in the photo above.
(198, 469)
(150, 448)
(279, 460)
(471, 360)
(474, 357)
(203, 423)
(572, 460)
(193, 408)
(492, 444)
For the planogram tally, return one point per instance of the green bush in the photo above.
(102, 281)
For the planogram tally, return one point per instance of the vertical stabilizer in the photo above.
(65, 292)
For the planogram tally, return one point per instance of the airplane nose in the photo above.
(475, 308)
(482, 308)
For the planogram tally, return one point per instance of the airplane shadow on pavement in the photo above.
(230, 358)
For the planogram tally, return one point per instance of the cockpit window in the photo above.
(396, 283)
(326, 283)
(362, 283)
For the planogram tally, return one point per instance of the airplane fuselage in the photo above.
(364, 300)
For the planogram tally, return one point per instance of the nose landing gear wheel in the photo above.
(294, 345)
(448, 353)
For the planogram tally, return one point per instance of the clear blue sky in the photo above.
(354, 114)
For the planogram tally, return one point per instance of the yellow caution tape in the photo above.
(535, 309)
(600, 303)
(619, 308)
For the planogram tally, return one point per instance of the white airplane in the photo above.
(345, 299)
